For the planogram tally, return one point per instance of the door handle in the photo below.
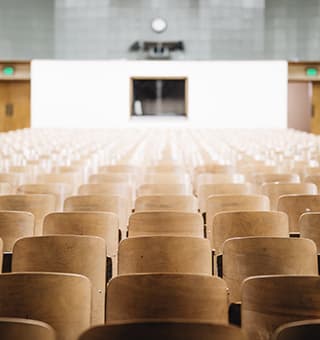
(9, 110)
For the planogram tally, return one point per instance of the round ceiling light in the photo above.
(159, 25)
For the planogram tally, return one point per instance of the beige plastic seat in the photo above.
(232, 224)
(164, 189)
(166, 202)
(166, 223)
(164, 330)
(61, 300)
(166, 296)
(85, 255)
(219, 203)
(206, 190)
(275, 190)
(299, 330)
(14, 225)
(309, 227)
(252, 256)
(38, 205)
(100, 202)
(101, 224)
(295, 205)
(26, 329)
(5, 188)
(270, 301)
(170, 254)
(59, 190)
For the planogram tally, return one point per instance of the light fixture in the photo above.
(159, 25)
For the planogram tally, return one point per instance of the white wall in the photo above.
(222, 94)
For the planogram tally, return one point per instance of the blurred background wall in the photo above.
(210, 29)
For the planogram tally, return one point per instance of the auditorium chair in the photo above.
(253, 256)
(101, 224)
(166, 178)
(206, 190)
(105, 203)
(26, 329)
(85, 255)
(38, 205)
(133, 171)
(315, 179)
(14, 225)
(219, 203)
(167, 167)
(165, 223)
(275, 190)
(295, 205)
(186, 203)
(216, 178)
(59, 299)
(166, 296)
(164, 330)
(298, 330)
(164, 189)
(261, 178)
(309, 226)
(112, 177)
(5, 188)
(72, 179)
(272, 300)
(59, 190)
(118, 189)
(14, 179)
(213, 167)
(174, 254)
(232, 224)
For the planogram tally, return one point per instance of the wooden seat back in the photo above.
(273, 300)
(167, 202)
(299, 330)
(14, 225)
(275, 190)
(61, 300)
(85, 255)
(206, 190)
(164, 330)
(166, 223)
(252, 256)
(219, 203)
(231, 224)
(175, 254)
(59, 190)
(100, 202)
(15, 328)
(295, 205)
(166, 296)
(38, 205)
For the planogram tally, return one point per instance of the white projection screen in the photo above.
(220, 94)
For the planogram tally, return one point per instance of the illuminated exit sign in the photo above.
(311, 71)
(8, 70)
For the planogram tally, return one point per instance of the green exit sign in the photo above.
(8, 70)
(311, 71)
